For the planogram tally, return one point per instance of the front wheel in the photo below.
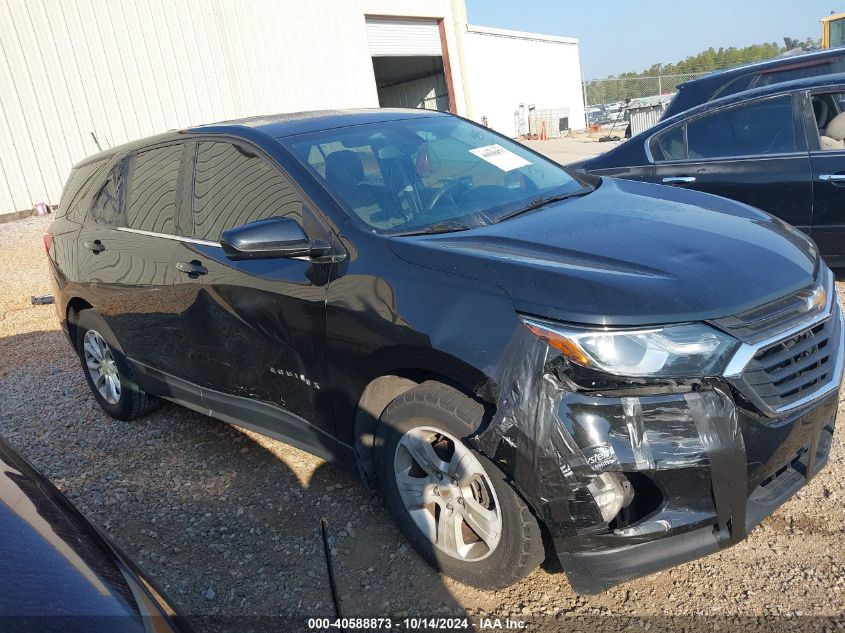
(453, 504)
(109, 376)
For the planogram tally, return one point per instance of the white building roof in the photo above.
(521, 35)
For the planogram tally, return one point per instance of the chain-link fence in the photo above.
(601, 91)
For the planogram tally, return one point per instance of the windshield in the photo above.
(426, 174)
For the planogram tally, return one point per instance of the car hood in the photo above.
(630, 253)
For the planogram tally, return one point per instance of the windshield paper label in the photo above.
(500, 157)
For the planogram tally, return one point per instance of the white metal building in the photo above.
(511, 72)
(78, 73)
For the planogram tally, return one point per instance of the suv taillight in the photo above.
(48, 241)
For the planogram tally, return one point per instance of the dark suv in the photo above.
(731, 81)
(501, 344)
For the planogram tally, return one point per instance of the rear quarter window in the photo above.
(669, 145)
(107, 207)
(72, 203)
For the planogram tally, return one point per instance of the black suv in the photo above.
(731, 81)
(501, 344)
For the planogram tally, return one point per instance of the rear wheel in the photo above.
(109, 376)
(455, 506)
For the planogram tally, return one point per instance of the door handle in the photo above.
(832, 177)
(95, 247)
(679, 180)
(192, 268)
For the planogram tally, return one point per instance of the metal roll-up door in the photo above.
(400, 37)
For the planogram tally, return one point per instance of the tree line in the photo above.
(662, 78)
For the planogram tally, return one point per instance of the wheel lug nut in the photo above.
(454, 482)
(449, 507)
(439, 476)
(460, 501)
(436, 491)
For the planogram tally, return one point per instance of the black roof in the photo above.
(288, 124)
(277, 125)
(807, 83)
(723, 75)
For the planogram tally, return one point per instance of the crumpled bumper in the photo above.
(705, 510)
(635, 479)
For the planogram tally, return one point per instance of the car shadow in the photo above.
(226, 521)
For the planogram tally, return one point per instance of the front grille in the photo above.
(795, 367)
(770, 319)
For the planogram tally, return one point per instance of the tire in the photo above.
(117, 393)
(453, 523)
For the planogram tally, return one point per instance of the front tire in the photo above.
(107, 372)
(454, 505)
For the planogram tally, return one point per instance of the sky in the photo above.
(622, 35)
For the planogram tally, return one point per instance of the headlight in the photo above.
(675, 351)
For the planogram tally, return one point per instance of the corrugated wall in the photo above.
(128, 69)
(509, 68)
(428, 92)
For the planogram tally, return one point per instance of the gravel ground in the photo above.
(227, 521)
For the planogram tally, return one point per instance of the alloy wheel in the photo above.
(447, 493)
(101, 366)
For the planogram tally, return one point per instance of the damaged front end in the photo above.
(680, 453)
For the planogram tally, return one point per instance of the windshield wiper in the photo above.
(446, 226)
(542, 201)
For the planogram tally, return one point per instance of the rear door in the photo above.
(828, 167)
(256, 327)
(129, 243)
(753, 152)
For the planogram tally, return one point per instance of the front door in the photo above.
(256, 327)
(754, 153)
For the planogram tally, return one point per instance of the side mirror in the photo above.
(266, 239)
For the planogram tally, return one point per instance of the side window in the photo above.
(762, 127)
(234, 186)
(77, 185)
(669, 145)
(107, 207)
(828, 111)
(151, 194)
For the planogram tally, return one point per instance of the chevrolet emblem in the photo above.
(817, 300)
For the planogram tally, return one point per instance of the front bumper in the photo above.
(706, 507)
(635, 477)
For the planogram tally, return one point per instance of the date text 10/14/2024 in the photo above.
(415, 624)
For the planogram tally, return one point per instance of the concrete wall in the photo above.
(506, 68)
(129, 69)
